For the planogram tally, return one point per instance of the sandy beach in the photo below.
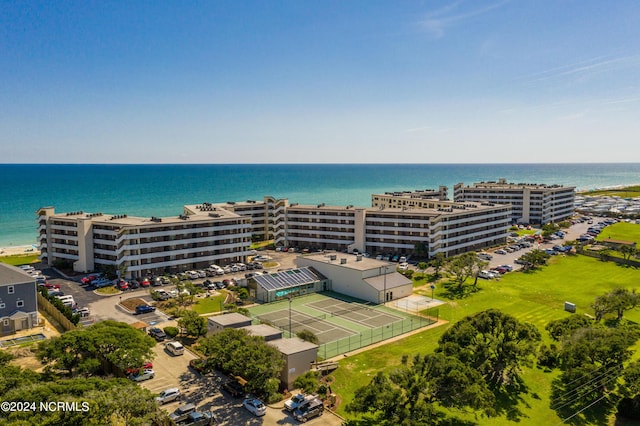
(13, 250)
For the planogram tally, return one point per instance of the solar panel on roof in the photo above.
(286, 279)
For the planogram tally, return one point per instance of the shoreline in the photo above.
(18, 250)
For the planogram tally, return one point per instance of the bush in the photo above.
(308, 382)
(171, 332)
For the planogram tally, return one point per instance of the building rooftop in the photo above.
(286, 279)
(263, 330)
(292, 346)
(388, 281)
(351, 261)
(10, 275)
(229, 319)
(191, 214)
(503, 184)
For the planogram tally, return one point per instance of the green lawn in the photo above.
(210, 304)
(627, 192)
(19, 259)
(621, 231)
(537, 297)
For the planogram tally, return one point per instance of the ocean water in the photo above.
(162, 190)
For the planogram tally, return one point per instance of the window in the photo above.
(2, 305)
(11, 289)
(6, 323)
(20, 303)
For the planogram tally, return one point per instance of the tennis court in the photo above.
(341, 323)
(360, 313)
(324, 331)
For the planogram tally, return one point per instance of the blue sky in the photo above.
(319, 82)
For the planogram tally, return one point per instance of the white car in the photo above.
(254, 406)
(168, 395)
(144, 375)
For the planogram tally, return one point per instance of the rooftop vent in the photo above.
(156, 219)
(183, 217)
(343, 260)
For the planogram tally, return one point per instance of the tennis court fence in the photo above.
(375, 335)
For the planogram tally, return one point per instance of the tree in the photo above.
(535, 258)
(565, 327)
(462, 267)
(192, 323)
(85, 351)
(422, 266)
(616, 301)
(408, 395)
(437, 262)
(236, 352)
(627, 251)
(591, 360)
(308, 382)
(308, 336)
(493, 343)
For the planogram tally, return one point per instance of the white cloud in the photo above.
(436, 22)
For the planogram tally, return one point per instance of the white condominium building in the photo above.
(202, 235)
(530, 202)
(221, 233)
(451, 229)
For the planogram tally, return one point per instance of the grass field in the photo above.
(621, 231)
(537, 297)
(19, 259)
(210, 304)
(627, 192)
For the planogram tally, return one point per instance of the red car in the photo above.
(145, 366)
(144, 282)
(49, 285)
(122, 285)
(89, 278)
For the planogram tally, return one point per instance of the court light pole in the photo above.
(290, 300)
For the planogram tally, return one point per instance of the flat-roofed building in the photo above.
(452, 228)
(265, 331)
(530, 202)
(421, 198)
(142, 246)
(298, 355)
(216, 324)
(363, 278)
(18, 300)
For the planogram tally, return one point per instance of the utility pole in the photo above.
(290, 300)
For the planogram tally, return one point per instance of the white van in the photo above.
(175, 348)
(66, 298)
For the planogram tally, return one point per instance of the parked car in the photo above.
(500, 251)
(175, 348)
(133, 284)
(182, 413)
(145, 366)
(295, 402)
(200, 418)
(234, 388)
(487, 275)
(144, 309)
(101, 282)
(254, 406)
(122, 285)
(168, 395)
(313, 408)
(144, 375)
(157, 334)
(144, 282)
(484, 256)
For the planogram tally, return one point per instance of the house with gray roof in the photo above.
(18, 300)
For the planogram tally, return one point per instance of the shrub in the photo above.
(171, 332)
